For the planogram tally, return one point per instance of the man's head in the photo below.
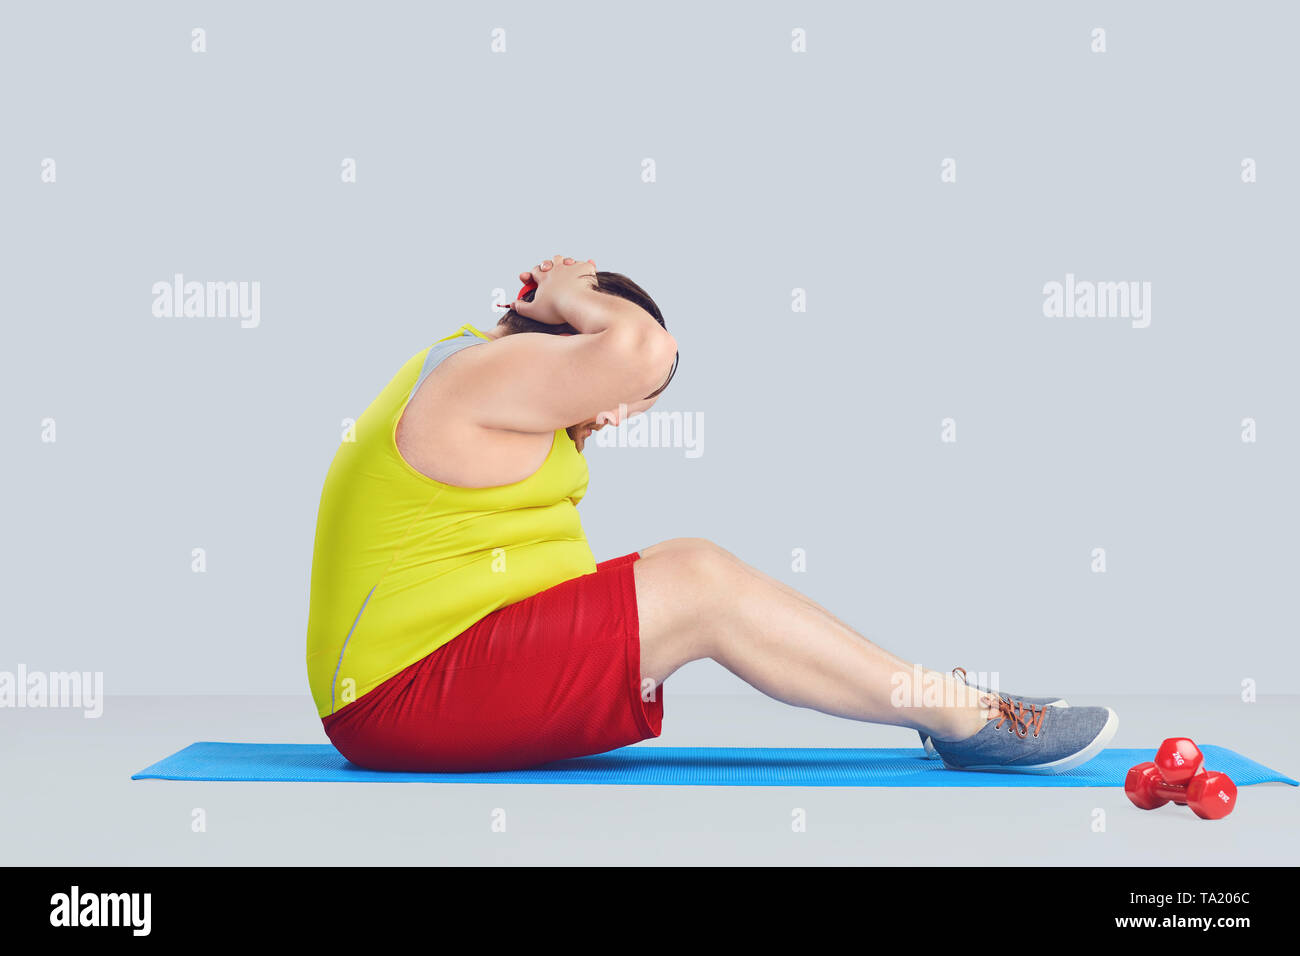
(611, 283)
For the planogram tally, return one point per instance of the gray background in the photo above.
(775, 171)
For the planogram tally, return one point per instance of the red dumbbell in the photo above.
(1179, 760)
(1209, 794)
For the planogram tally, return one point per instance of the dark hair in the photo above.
(611, 283)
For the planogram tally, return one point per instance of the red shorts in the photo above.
(556, 675)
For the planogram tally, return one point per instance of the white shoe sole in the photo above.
(1065, 763)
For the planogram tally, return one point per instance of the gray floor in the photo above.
(67, 799)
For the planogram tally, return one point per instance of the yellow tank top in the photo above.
(402, 563)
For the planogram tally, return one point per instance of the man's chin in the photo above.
(579, 434)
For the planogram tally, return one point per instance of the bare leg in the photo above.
(696, 600)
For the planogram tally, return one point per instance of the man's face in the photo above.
(580, 433)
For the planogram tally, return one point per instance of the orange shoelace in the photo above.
(1023, 717)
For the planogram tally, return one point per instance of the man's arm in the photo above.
(539, 383)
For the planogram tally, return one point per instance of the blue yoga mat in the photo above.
(678, 766)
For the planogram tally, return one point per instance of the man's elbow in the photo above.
(650, 358)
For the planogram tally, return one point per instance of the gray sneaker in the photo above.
(932, 754)
(1024, 739)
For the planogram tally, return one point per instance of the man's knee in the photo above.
(698, 560)
(685, 589)
(686, 546)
